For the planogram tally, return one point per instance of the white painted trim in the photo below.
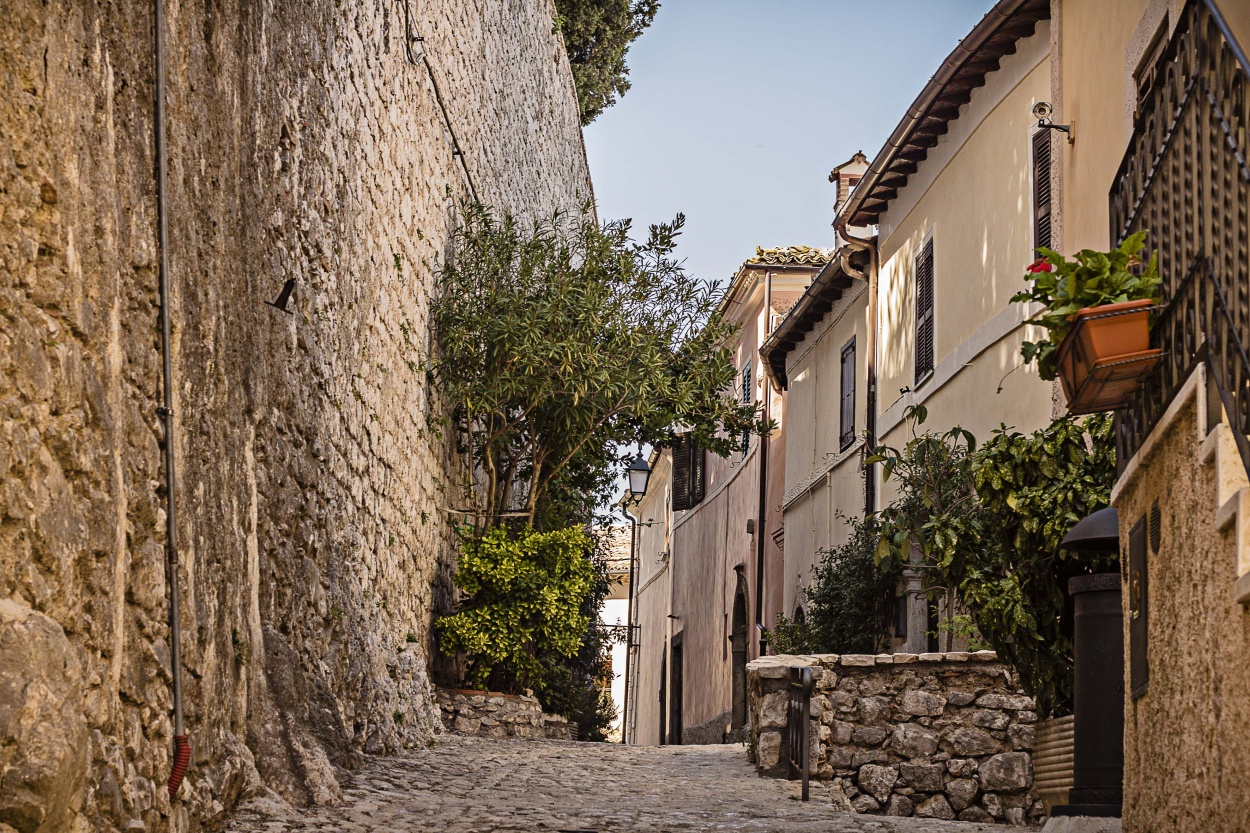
(1195, 386)
(1003, 324)
(804, 487)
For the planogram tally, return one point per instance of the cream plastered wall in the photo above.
(652, 601)
(711, 539)
(973, 197)
(821, 478)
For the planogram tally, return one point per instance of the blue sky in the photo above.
(740, 108)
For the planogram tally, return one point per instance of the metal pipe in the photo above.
(629, 623)
(870, 358)
(763, 496)
(182, 749)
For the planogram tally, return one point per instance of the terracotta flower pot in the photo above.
(1105, 355)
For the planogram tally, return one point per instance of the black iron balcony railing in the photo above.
(1185, 180)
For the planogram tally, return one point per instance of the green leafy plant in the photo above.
(1090, 279)
(522, 602)
(597, 36)
(561, 342)
(849, 600)
(985, 525)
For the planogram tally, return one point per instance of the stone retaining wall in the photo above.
(937, 735)
(489, 714)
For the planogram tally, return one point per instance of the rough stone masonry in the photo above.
(304, 144)
(942, 735)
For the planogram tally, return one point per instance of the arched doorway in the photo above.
(741, 646)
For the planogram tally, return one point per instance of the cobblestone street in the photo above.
(467, 784)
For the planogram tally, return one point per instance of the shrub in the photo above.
(522, 604)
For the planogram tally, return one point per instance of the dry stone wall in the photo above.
(490, 714)
(315, 547)
(933, 735)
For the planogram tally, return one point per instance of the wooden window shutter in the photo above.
(847, 427)
(748, 396)
(681, 474)
(924, 311)
(698, 468)
(1041, 190)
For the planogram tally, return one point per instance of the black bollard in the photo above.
(1098, 698)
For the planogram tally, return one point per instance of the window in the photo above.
(847, 402)
(688, 473)
(748, 396)
(924, 312)
(1041, 190)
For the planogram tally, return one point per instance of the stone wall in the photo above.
(313, 491)
(489, 714)
(937, 735)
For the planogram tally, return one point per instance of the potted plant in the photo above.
(1098, 309)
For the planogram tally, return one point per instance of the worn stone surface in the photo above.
(471, 785)
(490, 714)
(43, 733)
(313, 528)
(949, 737)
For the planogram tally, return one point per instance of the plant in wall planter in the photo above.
(1098, 309)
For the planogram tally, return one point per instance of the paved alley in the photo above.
(467, 785)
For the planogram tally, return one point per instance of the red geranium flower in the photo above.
(1040, 265)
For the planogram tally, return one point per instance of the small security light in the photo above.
(1042, 111)
(639, 473)
(283, 297)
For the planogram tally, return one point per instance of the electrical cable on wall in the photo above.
(414, 54)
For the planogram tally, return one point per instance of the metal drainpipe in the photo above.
(870, 409)
(629, 623)
(182, 747)
(763, 504)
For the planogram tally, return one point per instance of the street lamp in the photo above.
(639, 473)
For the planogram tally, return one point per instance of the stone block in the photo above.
(872, 709)
(913, 741)
(990, 719)
(1005, 701)
(935, 807)
(905, 659)
(857, 660)
(768, 750)
(877, 781)
(1007, 772)
(917, 702)
(970, 742)
(1021, 737)
(900, 805)
(961, 767)
(976, 814)
(960, 698)
(865, 804)
(962, 792)
(842, 732)
(870, 735)
(923, 777)
(774, 709)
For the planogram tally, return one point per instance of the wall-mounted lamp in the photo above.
(1042, 112)
(283, 297)
(639, 473)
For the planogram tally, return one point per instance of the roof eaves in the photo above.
(977, 55)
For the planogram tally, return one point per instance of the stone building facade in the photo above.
(305, 142)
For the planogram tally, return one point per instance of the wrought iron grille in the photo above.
(1185, 180)
(798, 726)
